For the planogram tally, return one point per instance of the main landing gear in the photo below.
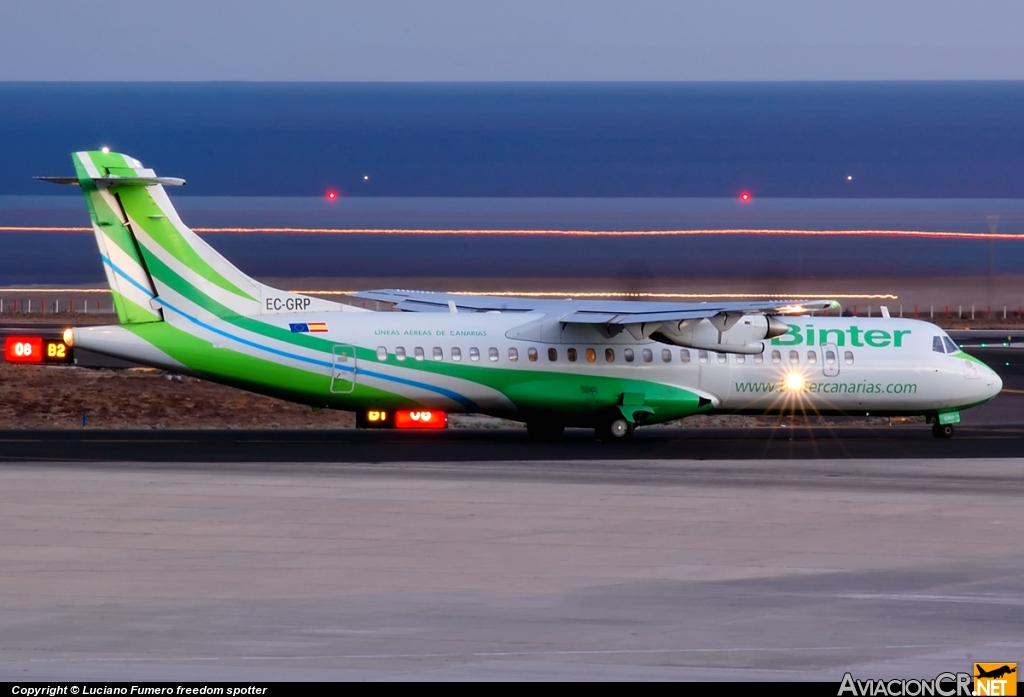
(616, 430)
(942, 430)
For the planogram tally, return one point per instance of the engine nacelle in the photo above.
(725, 333)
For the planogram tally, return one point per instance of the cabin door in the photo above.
(830, 360)
(343, 371)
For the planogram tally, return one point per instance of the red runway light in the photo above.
(745, 197)
(332, 195)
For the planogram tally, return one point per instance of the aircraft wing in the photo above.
(603, 312)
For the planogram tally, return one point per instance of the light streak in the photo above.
(654, 295)
(54, 290)
(552, 294)
(920, 234)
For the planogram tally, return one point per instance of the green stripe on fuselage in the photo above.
(527, 389)
(261, 375)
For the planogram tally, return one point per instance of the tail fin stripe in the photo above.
(179, 288)
(87, 164)
(120, 272)
(140, 204)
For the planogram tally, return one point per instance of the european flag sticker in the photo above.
(299, 328)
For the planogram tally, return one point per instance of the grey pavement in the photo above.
(756, 570)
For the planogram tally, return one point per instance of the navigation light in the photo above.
(332, 195)
(745, 197)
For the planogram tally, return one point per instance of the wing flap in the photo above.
(589, 311)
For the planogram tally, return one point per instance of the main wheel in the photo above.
(615, 430)
(942, 430)
(544, 430)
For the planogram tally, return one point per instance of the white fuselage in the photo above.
(837, 365)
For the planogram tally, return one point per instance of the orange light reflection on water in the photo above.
(923, 234)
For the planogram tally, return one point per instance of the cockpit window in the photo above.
(937, 344)
(950, 346)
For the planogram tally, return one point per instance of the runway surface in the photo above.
(753, 554)
(483, 445)
(627, 569)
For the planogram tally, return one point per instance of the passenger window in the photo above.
(723, 357)
(474, 354)
(759, 358)
(400, 353)
(776, 356)
(812, 357)
(628, 353)
(830, 357)
(849, 358)
(571, 354)
(666, 356)
(609, 355)
(702, 356)
(794, 356)
(591, 355)
(937, 344)
(740, 358)
(552, 354)
(532, 354)
(418, 353)
(438, 354)
(513, 354)
(648, 355)
(456, 353)
(492, 353)
(382, 353)
(950, 346)
(684, 356)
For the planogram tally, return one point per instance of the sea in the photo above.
(515, 157)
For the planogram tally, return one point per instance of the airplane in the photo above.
(608, 365)
(995, 672)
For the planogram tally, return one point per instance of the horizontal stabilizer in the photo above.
(117, 181)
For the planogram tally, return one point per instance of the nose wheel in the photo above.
(942, 430)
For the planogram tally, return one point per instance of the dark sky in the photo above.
(518, 40)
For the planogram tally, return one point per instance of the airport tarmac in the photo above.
(785, 553)
(618, 569)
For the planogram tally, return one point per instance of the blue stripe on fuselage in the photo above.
(450, 394)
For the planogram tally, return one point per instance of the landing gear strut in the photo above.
(615, 430)
(942, 430)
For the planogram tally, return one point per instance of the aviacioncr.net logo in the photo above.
(943, 685)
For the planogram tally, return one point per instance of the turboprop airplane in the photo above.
(611, 366)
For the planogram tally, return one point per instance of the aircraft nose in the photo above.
(994, 383)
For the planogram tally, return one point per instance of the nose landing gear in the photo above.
(942, 430)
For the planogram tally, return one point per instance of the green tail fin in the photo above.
(159, 269)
